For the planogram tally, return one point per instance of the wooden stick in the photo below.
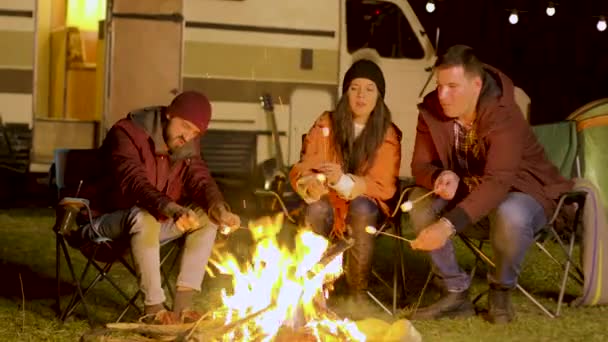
(422, 197)
(152, 329)
(216, 333)
(395, 236)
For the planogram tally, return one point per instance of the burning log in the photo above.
(330, 254)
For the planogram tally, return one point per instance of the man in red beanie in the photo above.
(156, 189)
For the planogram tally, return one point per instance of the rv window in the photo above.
(381, 26)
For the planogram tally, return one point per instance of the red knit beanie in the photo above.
(192, 106)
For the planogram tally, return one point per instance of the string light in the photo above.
(513, 18)
(550, 9)
(430, 6)
(601, 24)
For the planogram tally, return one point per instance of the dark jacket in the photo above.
(514, 160)
(141, 172)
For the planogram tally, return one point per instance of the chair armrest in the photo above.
(574, 197)
(571, 197)
(66, 212)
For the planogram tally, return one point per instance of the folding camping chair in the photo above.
(560, 143)
(70, 170)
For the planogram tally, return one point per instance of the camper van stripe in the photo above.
(16, 81)
(248, 90)
(21, 55)
(16, 13)
(263, 29)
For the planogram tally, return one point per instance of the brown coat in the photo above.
(378, 183)
(515, 161)
(139, 171)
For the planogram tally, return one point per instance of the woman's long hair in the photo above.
(358, 154)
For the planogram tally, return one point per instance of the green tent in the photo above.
(592, 127)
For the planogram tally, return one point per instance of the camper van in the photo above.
(75, 67)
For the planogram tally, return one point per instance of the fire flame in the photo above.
(285, 284)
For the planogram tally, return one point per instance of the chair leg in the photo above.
(129, 305)
(58, 239)
(536, 302)
(63, 316)
(486, 259)
(474, 269)
(562, 290)
(379, 303)
(396, 278)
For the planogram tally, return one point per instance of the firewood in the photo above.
(217, 333)
(330, 254)
(152, 329)
(107, 335)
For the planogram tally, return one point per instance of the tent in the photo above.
(592, 127)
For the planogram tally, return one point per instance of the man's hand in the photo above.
(446, 185)
(332, 171)
(187, 221)
(184, 218)
(434, 236)
(225, 219)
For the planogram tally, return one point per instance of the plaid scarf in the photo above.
(470, 154)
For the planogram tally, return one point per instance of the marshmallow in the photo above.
(407, 206)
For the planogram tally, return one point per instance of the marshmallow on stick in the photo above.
(408, 205)
(325, 135)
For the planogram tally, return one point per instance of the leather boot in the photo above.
(359, 261)
(500, 308)
(449, 305)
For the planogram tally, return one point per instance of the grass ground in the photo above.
(27, 261)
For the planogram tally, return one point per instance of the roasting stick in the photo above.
(408, 205)
(373, 230)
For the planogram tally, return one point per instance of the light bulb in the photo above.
(551, 10)
(601, 24)
(513, 18)
(430, 7)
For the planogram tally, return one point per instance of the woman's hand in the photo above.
(332, 171)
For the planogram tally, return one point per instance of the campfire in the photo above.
(280, 293)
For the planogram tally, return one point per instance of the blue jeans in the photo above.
(362, 212)
(510, 228)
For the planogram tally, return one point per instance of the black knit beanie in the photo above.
(364, 68)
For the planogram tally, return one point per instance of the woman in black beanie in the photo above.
(350, 166)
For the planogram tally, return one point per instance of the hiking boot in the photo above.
(450, 305)
(500, 309)
(163, 317)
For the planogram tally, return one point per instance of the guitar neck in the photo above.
(277, 141)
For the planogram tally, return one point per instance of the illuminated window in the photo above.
(85, 14)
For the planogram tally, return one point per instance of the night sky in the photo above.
(561, 62)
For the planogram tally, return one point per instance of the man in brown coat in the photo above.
(490, 175)
(157, 189)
